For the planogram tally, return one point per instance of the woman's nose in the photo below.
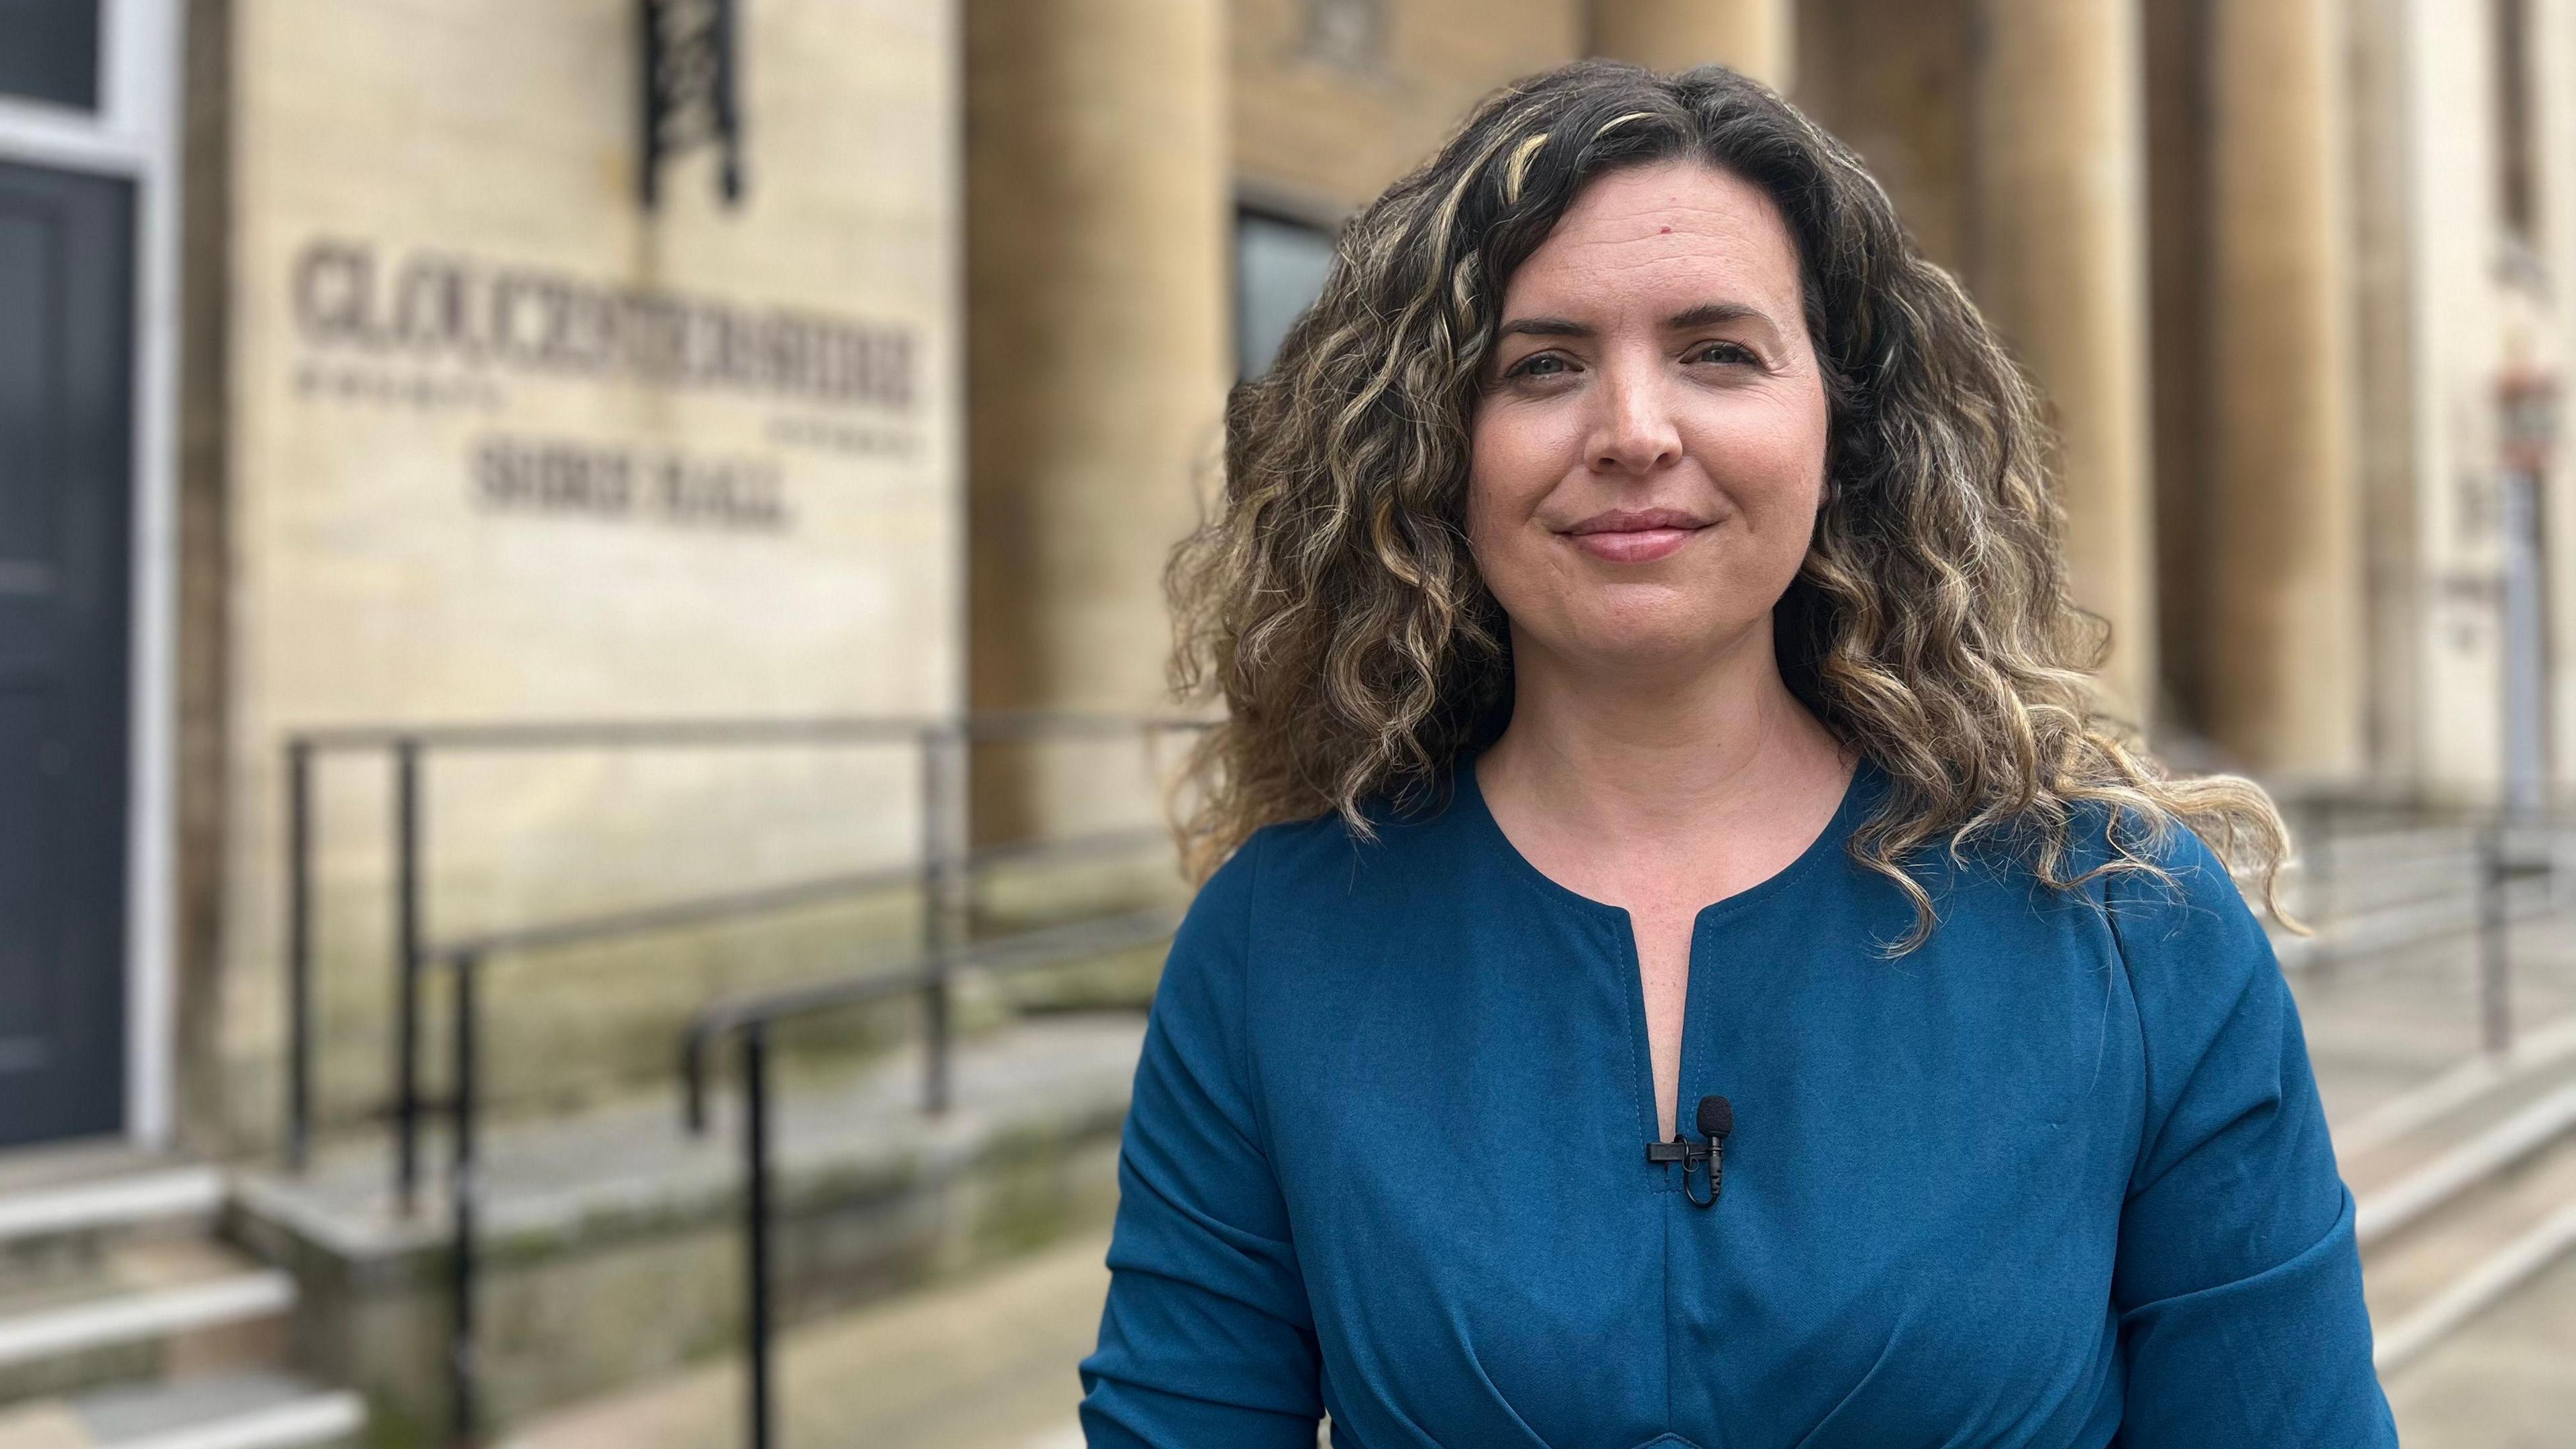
(1635, 432)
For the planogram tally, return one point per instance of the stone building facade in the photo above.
(378, 384)
(354, 382)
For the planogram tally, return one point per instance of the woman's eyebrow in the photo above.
(1543, 327)
(1708, 314)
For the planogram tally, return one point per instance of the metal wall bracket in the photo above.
(692, 59)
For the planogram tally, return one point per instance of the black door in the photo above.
(66, 353)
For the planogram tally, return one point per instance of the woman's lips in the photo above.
(1632, 545)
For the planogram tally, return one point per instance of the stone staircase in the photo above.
(2463, 1163)
(2467, 1189)
(125, 1321)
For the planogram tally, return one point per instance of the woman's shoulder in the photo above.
(2127, 859)
(2154, 894)
(2156, 873)
(1273, 889)
(1332, 850)
(2192, 948)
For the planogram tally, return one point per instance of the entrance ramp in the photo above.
(611, 1241)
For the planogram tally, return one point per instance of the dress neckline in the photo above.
(1859, 793)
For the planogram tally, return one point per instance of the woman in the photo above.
(1689, 966)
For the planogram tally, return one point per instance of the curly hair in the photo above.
(1331, 599)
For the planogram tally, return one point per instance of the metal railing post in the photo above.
(463, 1190)
(2495, 967)
(2321, 851)
(407, 966)
(942, 803)
(755, 1137)
(299, 953)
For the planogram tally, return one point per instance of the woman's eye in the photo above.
(1543, 364)
(1724, 352)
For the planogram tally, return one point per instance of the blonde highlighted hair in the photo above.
(1331, 602)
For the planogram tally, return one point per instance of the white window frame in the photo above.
(134, 134)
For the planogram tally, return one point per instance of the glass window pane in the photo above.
(1279, 271)
(49, 51)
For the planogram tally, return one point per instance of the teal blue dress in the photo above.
(2057, 1178)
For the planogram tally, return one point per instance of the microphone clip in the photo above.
(1716, 1121)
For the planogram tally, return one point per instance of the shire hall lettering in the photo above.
(437, 307)
(552, 476)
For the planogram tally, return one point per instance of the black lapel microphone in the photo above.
(1716, 1122)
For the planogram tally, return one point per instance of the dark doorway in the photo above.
(66, 364)
(52, 54)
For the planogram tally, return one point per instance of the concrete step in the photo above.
(126, 1324)
(149, 1309)
(2401, 1136)
(2453, 1104)
(2499, 1381)
(222, 1411)
(2467, 1189)
(55, 1230)
(2425, 1233)
(2499, 1275)
(2472, 1167)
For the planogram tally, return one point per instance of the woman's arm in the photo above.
(1206, 1338)
(2238, 1282)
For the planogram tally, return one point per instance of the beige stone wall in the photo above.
(1890, 78)
(2056, 260)
(431, 523)
(2454, 302)
(2384, 323)
(1331, 116)
(1757, 37)
(1099, 226)
(2283, 542)
(2180, 268)
(2553, 93)
(2478, 302)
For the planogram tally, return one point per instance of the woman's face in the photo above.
(1648, 451)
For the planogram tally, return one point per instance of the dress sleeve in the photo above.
(1206, 1338)
(2238, 1280)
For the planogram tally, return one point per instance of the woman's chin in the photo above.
(1657, 644)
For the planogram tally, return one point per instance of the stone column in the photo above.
(2057, 261)
(1754, 36)
(2284, 646)
(1098, 223)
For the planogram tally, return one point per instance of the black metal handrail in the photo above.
(943, 868)
(2499, 854)
(946, 870)
(750, 1017)
(1019, 951)
(703, 910)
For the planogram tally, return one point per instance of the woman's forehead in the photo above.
(1643, 235)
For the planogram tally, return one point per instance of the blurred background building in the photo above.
(530, 534)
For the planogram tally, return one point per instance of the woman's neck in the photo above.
(1638, 754)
